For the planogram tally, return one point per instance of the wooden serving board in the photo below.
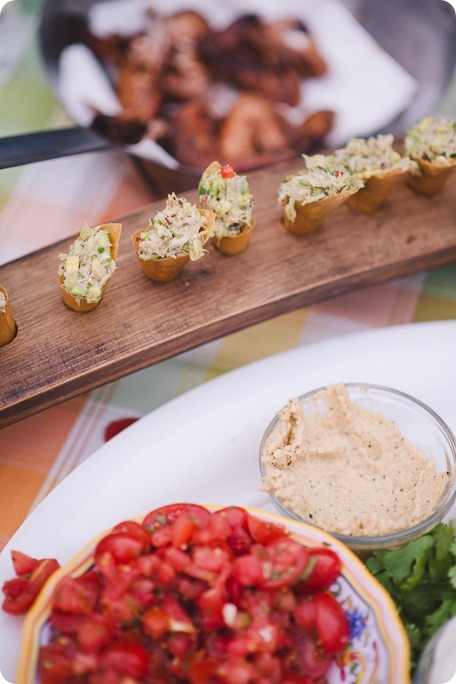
(58, 354)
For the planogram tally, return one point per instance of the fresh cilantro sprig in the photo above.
(421, 578)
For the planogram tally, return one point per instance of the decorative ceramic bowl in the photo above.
(378, 650)
(420, 426)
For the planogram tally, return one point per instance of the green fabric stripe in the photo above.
(8, 179)
(441, 282)
(27, 101)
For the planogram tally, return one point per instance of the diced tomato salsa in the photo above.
(198, 597)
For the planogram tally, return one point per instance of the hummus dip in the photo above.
(347, 469)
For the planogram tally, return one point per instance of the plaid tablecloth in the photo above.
(48, 201)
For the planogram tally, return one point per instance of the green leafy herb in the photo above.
(421, 578)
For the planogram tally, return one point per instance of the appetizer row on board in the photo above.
(174, 236)
(361, 174)
(364, 172)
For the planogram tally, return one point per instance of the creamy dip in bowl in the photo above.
(372, 465)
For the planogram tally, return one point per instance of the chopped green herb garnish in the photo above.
(421, 578)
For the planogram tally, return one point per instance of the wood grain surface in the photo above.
(58, 354)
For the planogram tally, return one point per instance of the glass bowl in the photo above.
(419, 425)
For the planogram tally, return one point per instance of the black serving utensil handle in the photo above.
(23, 149)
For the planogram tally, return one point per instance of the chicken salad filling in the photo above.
(320, 179)
(177, 230)
(88, 265)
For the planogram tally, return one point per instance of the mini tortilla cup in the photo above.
(375, 192)
(163, 269)
(309, 216)
(7, 324)
(114, 230)
(431, 178)
(234, 244)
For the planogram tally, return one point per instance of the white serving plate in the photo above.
(203, 446)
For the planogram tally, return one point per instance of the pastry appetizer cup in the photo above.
(7, 324)
(377, 165)
(235, 244)
(375, 192)
(87, 268)
(430, 177)
(313, 194)
(223, 192)
(174, 236)
(432, 144)
(160, 269)
(310, 215)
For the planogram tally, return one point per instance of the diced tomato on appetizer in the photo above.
(227, 171)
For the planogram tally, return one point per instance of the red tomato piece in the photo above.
(155, 622)
(305, 615)
(331, 623)
(199, 573)
(68, 623)
(265, 532)
(190, 588)
(94, 633)
(19, 603)
(179, 621)
(312, 658)
(135, 530)
(166, 515)
(284, 562)
(160, 571)
(121, 546)
(227, 171)
(162, 536)
(15, 587)
(181, 646)
(116, 583)
(122, 611)
(293, 678)
(217, 529)
(113, 429)
(234, 515)
(142, 591)
(202, 672)
(210, 605)
(23, 564)
(54, 665)
(284, 600)
(182, 530)
(126, 658)
(77, 595)
(177, 558)
(326, 568)
(248, 571)
(212, 557)
(268, 667)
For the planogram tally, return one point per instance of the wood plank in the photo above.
(58, 354)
